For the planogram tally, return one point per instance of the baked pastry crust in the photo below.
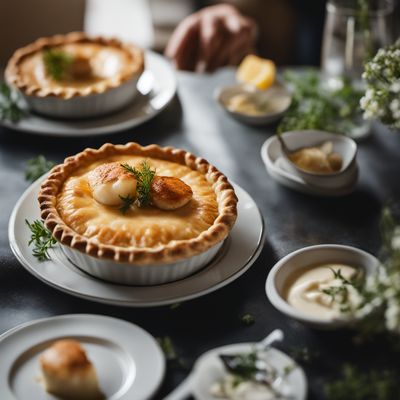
(173, 250)
(16, 77)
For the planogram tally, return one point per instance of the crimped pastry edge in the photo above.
(15, 79)
(165, 254)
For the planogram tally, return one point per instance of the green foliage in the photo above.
(9, 107)
(316, 107)
(356, 385)
(36, 167)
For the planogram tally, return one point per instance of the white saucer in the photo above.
(157, 87)
(209, 369)
(276, 167)
(129, 363)
(239, 252)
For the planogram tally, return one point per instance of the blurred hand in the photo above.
(211, 38)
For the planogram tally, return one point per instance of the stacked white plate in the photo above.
(280, 169)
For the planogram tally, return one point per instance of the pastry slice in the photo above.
(68, 373)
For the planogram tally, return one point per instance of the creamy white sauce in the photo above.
(247, 390)
(304, 290)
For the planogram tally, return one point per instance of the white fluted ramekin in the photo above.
(140, 275)
(93, 105)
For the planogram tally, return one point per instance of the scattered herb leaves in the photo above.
(144, 177)
(56, 63)
(36, 167)
(41, 238)
(247, 319)
(9, 107)
(171, 355)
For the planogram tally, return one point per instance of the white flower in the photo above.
(394, 105)
(392, 316)
(396, 237)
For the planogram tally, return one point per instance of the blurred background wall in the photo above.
(290, 31)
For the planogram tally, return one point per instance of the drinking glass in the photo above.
(354, 31)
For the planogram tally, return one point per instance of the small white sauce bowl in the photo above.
(277, 95)
(304, 258)
(344, 146)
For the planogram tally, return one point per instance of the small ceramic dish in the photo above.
(276, 101)
(209, 369)
(342, 145)
(304, 258)
(278, 169)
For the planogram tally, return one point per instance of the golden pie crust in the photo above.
(115, 61)
(142, 235)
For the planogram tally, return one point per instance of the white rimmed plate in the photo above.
(276, 167)
(157, 87)
(209, 369)
(239, 252)
(128, 361)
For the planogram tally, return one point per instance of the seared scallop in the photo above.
(169, 193)
(109, 182)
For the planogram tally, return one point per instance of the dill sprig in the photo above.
(36, 167)
(144, 177)
(127, 202)
(9, 107)
(41, 238)
(56, 63)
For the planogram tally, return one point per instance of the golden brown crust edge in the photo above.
(14, 78)
(169, 253)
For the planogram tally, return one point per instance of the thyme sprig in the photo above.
(10, 109)
(144, 177)
(127, 201)
(36, 167)
(56, 63)
(41, 238)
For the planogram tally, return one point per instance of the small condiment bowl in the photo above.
(304, 258)
(277, 96)
(342, 145)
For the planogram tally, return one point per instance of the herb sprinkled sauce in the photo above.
(327, 291)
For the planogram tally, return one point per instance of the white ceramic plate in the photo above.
(276, 168)
(209, 369)
(239, 252)
(129, 363)
(157, 87)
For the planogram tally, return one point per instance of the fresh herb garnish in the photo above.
(315, 107)
(41, 238)
(356, 385)
(9, 107)
(303, 355)
(144, 177)
(56, 63)
(36, 167)
(127, 202)
(247, 319)
(242, 366)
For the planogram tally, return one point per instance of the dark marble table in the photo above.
(293, 220)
